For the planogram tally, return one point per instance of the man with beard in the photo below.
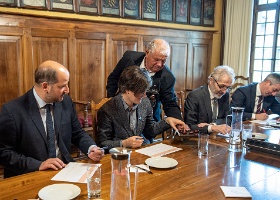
(38, 128)
(206, 107)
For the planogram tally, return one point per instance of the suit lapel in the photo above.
(253, 96)
(35, 115)
(207, 102)
(122, 115)
(57, 110)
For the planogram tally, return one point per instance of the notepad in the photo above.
(230, 191)
(158, 150)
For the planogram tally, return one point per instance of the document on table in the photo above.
(230, 191)
(74, 172)
(158, 150)
(271, 118)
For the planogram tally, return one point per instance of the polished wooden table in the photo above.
(193, 177)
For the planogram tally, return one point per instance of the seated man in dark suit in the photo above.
(162, 89)
(206, 107)
(127, 119)
(258, 99)
(37, 129)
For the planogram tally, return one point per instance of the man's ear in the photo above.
(45, 86)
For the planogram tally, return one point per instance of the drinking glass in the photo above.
(94, 181)
(246, 133)
(202, 144)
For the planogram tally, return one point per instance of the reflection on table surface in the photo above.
(193, 178)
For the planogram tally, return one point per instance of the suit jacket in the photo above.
(245, 97)
(113, 123)
(198, 108)
(23, 140)
(163, 81)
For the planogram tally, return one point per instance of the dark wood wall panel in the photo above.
(11, 72)
(91, 70)
(178, 65)
(200, 64)
(90, 50)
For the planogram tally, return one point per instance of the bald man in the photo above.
(24, 131)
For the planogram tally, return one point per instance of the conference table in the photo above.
(193, 178)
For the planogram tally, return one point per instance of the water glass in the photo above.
(246, 133)
(202, 144)
(94, 181)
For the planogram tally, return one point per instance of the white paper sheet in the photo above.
(158, 150)
(271, 119)
(235, 191)
(74, 172)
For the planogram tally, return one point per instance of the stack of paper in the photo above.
(74, 172)
(235, 191)
(158, 150)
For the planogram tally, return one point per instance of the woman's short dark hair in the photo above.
(134, 79)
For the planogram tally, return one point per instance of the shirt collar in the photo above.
(126, 107)
(142, 66)
(258, 92)
(211, 93)
(41, 103)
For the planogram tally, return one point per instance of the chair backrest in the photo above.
(239, 81)
(94, 108)
(181, 101)
(84, 119)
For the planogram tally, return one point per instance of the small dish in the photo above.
(161, 162)
(59, 192)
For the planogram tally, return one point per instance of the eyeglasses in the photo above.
(222, 86)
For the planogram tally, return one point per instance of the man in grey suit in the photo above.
(127, 119)
(206, 107)
(26, 144)
(262, 94)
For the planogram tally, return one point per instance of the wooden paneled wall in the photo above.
(90, 50)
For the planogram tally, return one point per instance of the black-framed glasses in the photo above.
(222, 86)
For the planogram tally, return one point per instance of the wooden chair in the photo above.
(87, 112)
(181, 101)
(239, 81)
(1, 172)
(94, 109)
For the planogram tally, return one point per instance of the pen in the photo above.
(148, 171)
(263, 110)
(139, 138)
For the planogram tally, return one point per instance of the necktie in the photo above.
(259, 105)
(50, 132)
(215, 109)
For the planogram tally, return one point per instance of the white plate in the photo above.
(161, 162)
(59, 192)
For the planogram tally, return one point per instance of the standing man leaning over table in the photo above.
(258, 98)
(162, 89)
(206, 107)
(37, 129)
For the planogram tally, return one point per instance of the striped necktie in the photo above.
(259, 105)
(50, 132)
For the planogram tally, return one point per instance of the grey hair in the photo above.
(274, 78)
(159, 45)
(221, 71)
